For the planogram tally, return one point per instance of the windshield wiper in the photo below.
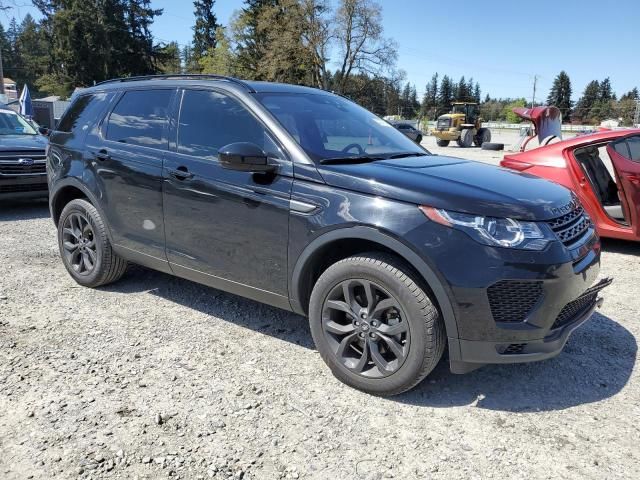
(349, 160)
(407, 154)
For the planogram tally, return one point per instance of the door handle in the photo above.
(181, 173)
(103, 155)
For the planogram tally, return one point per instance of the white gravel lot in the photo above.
(157, 377)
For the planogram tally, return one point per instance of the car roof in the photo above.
(248, 86)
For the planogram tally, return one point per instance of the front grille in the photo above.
(512, 301)
(575, 309)
(22, 169)
(34, 187)
(571, 227)
(22, 162)
(443, 124)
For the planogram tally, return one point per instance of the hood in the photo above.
(453, 184)
(22, 142)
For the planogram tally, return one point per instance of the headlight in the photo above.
(496, 232)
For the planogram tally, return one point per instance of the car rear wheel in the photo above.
(85, 247)
(442, 143)
(374, 326)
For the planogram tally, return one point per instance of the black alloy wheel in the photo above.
(85, 247)
(366, 328)
(79, 244)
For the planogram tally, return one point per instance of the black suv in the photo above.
(301, 199)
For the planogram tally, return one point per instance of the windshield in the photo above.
(13, 124)
(328, 126)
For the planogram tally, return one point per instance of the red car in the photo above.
(603, 169)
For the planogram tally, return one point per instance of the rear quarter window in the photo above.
(83, 112)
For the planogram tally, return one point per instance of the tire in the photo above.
(466, 138)
(483, 136)
(81, 225)
(408, 311)
(493, 146)
(442, 143)
(419, 139)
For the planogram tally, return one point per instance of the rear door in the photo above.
(625, 156)
(127, 156)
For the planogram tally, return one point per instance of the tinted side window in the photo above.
(82, 112)
(140, 118)
(210, 120)
(634, 148)
(622, 148)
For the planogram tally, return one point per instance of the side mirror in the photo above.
(245, 157)
(44, 131)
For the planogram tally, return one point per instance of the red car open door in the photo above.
(625, 155)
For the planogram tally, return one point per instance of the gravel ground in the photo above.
(157, 377)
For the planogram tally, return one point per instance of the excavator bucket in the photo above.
(547, 122)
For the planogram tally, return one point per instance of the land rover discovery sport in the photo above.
(301, 199)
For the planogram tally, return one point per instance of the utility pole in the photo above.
(636, 120)
(2, 92)
(535, 84)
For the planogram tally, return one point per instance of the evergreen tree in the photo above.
(605, 93)
(186, 55)
(92, 40)
(461, 92)
(413, 101)
(445, 96)
(603, 107)
(169, 58)
(11, 58)
(140, 17)
(251, 37)
(204, 30)
(220, 59)
(477, 95)
(586, 102)
(405, 99)
(560, 94)
(631, 95)
(430, 99)
(32, 50)
(470, 87)
(392, 97)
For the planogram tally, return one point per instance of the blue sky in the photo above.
(502, 44)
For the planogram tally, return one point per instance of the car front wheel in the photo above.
(374, 326)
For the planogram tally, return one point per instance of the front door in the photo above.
(226, 228)
(625, 156)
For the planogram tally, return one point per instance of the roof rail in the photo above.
(182, 76)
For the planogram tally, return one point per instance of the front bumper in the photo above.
(467, 355)
(32, 186)
(449, 134)
(511, 305)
